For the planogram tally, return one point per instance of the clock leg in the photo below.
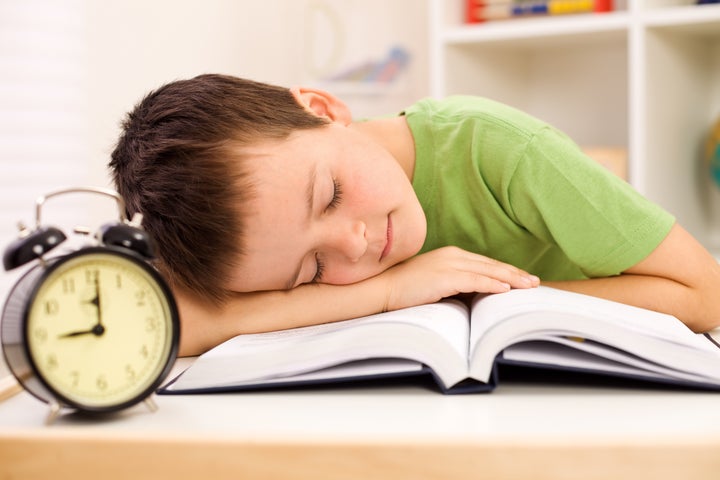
(9, 386)
(53, 413)
(150, 404)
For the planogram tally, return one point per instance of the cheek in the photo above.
(344, 274)
(372, 190)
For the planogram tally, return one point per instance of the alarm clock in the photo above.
(94, 329)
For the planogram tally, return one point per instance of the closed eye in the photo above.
(334, 202)
(320, 267)
(336, 196)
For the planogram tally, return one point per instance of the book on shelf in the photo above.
(462, 345)
(477, 11)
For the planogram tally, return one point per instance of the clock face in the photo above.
(100, 330)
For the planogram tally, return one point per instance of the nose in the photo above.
(349, 240)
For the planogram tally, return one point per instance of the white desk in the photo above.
(518, 431)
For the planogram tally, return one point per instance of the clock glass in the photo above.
(100, 330)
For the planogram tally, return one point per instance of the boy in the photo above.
(273, 209)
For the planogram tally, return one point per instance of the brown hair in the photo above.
(178, 162)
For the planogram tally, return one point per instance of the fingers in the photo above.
(491, 274)
(501, 272)
(449, 271)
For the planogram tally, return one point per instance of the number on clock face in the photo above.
(99, 329)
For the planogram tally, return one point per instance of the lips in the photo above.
(388, 239)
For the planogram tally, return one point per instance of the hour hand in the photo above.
(95, 301)
(97, 330)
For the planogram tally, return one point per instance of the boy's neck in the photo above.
(395, 136)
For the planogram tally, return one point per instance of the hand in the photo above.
(98, 329)
(96, 301)
(449, 271)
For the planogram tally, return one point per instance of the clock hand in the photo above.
(93, 301)
(97, 330)
(96, 301)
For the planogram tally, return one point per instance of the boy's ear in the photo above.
(323, 104)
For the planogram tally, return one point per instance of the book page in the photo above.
(548, 353)
(588, 355)
(435, 335)
(502, 320)
(494, 308)
(374, 367)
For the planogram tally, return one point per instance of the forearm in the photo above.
(679, 277)
(423, 279)
(694, 306)
(205, 326)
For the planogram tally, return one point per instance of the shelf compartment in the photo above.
(579, 87)
(695, 20)
(683, 102)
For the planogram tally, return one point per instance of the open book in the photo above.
(461, 346)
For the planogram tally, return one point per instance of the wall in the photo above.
(118, 51)
(137, 45)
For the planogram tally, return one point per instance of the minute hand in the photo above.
(96, 300)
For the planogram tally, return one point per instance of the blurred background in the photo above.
(71, 69)
(637, 84)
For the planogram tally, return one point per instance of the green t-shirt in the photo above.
(501, 183)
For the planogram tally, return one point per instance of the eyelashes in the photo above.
(334, 202)
(320, 268)
(337, 195)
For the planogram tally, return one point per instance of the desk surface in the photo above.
(522, 430)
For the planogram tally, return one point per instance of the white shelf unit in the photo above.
(645, 77)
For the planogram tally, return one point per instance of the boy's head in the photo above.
(178, 161)
(247, 186)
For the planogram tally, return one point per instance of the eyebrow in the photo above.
(310, 197)
(310, 189)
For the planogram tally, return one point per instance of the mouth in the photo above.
(388, 239)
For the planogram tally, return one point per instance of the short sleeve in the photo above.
(598, 220)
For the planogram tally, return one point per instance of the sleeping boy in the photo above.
(272, 208)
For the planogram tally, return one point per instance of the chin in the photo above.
(418, 243)
(407, 253)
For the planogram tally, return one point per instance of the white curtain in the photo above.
(43, 112)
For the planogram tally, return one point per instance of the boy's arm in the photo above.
(679, 277)
(423, 279)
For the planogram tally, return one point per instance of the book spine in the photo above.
(477, 11)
